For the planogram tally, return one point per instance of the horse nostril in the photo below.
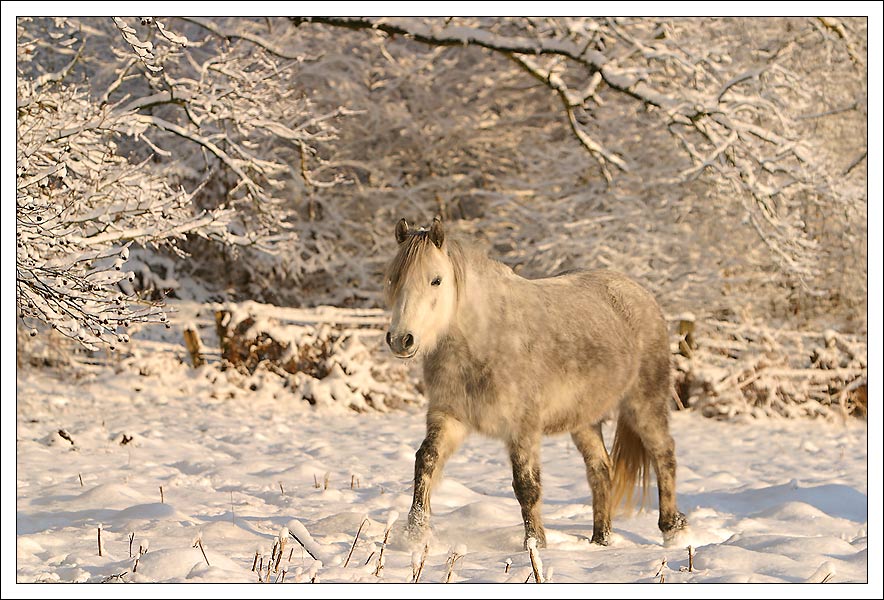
(408, 341)
(389, 339)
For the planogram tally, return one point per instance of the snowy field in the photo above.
(768, 500)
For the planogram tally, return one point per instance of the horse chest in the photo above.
(467, 389)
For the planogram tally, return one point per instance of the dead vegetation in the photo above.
(726, 369)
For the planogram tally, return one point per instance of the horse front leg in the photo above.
(525, 457)
(598, 472)
(444, 434)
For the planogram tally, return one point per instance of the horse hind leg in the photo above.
(650, 423)
(591, 445)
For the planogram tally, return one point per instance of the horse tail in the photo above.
(630, 461)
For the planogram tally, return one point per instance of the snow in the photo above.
(768, 500)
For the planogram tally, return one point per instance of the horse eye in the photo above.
(437, 281)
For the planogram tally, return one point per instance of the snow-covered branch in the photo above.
(91, 179)
(734, 108)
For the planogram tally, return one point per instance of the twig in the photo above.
(281, 489)
(303, 546)
(856, 161)
(255, 562)
(199, 542)
(80, 477)
(162, 497)
(131, 539)
(690, 559)
(356, 539)
(99, 541)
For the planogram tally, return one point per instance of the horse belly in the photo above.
(568, 405)
(584, 389)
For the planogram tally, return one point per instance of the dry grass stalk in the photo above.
(536, 563)
(660, 572)
(356, 539)
(452, 559)
(380, 566)
(419, 569)
(279, 554)
(272, 555)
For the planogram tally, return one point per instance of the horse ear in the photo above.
(437, 232)
(401, 231)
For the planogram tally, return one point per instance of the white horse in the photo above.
(516, 358)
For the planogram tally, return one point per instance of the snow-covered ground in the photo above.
(768, 500)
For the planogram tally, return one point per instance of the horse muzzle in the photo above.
(403, 345)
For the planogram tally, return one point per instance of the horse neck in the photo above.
(479, 297)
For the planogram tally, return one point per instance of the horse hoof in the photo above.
(674, 524)
(675, 530)
(415, 533)
(602, 539)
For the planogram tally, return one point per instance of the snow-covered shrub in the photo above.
(328, 357)
(753, 370)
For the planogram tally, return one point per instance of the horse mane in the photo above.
(412, 253)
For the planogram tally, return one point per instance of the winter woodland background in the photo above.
(214, 198)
